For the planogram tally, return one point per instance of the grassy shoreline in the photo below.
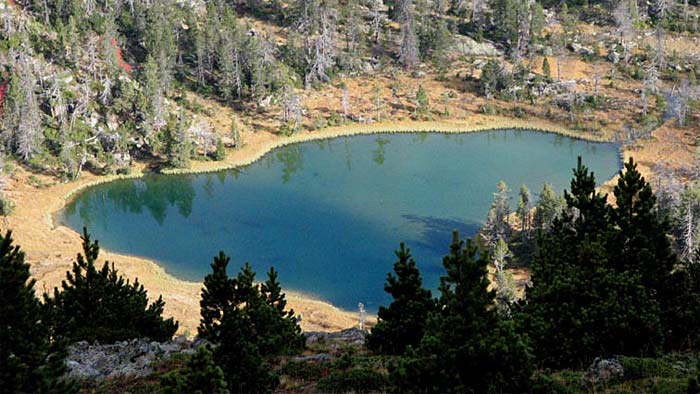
(317, 314)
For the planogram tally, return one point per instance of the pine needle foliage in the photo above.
(30, 362)
(403, 323)
(100, 305)
(250, 325)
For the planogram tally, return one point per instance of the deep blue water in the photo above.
(329, 215)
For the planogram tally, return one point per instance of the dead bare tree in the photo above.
(408, 53)
(291, 108)
(322, 54)
(345, 102)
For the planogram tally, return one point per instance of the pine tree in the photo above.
(220, 152)
(29, 361)
(644, 249)
(643, 245)
(546, 70)
(402, 324)
(497, 226)
(178, 147)
(524, 208)
(250, 325)
(239, 356)
(23, 336)
(547, 208)
(278, 330)
(409, 51)
(22, 118)
(422, 100)
(505, 285)
(586, 300)
(99, 305)
(271, 290)
(152, 100)
(467, 347)
(217, 296)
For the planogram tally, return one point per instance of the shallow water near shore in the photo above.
(329, 214)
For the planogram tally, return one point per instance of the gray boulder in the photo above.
(603, 370)
(581, 50)
(469, 47)
(353, 336)
(613, 57)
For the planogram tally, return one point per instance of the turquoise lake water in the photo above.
(328, 215)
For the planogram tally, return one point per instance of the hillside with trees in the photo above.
(97, 85)
(611, 308)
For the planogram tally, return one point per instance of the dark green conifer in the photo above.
(29, 361)
(402, 324)
(466, 347)
(642, 245)
(276, 330)
(239, 356)
(250, 325)
(282, 331)
(590, 207)
(546, 70)
(220, 153)
(217, 296)
(587, 298)
(99, 305)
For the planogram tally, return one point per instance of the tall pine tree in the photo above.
(402, 324)
(29, 361)
(217, 296)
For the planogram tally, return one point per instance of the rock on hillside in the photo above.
(137, 357)
(350, 336)
(125, 358)
(469, 47)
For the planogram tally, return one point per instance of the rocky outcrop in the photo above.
(469, 47)
(137, 357)
(350, 336)
(126, 358)
(581, 50)
(603, 370)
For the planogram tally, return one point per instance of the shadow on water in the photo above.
(436, 233)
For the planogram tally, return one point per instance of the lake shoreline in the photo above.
(50, 245)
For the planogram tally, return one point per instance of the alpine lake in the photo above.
(329, 214)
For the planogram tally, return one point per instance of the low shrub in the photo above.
(355, 380)
(305, 370)
(7, 206)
